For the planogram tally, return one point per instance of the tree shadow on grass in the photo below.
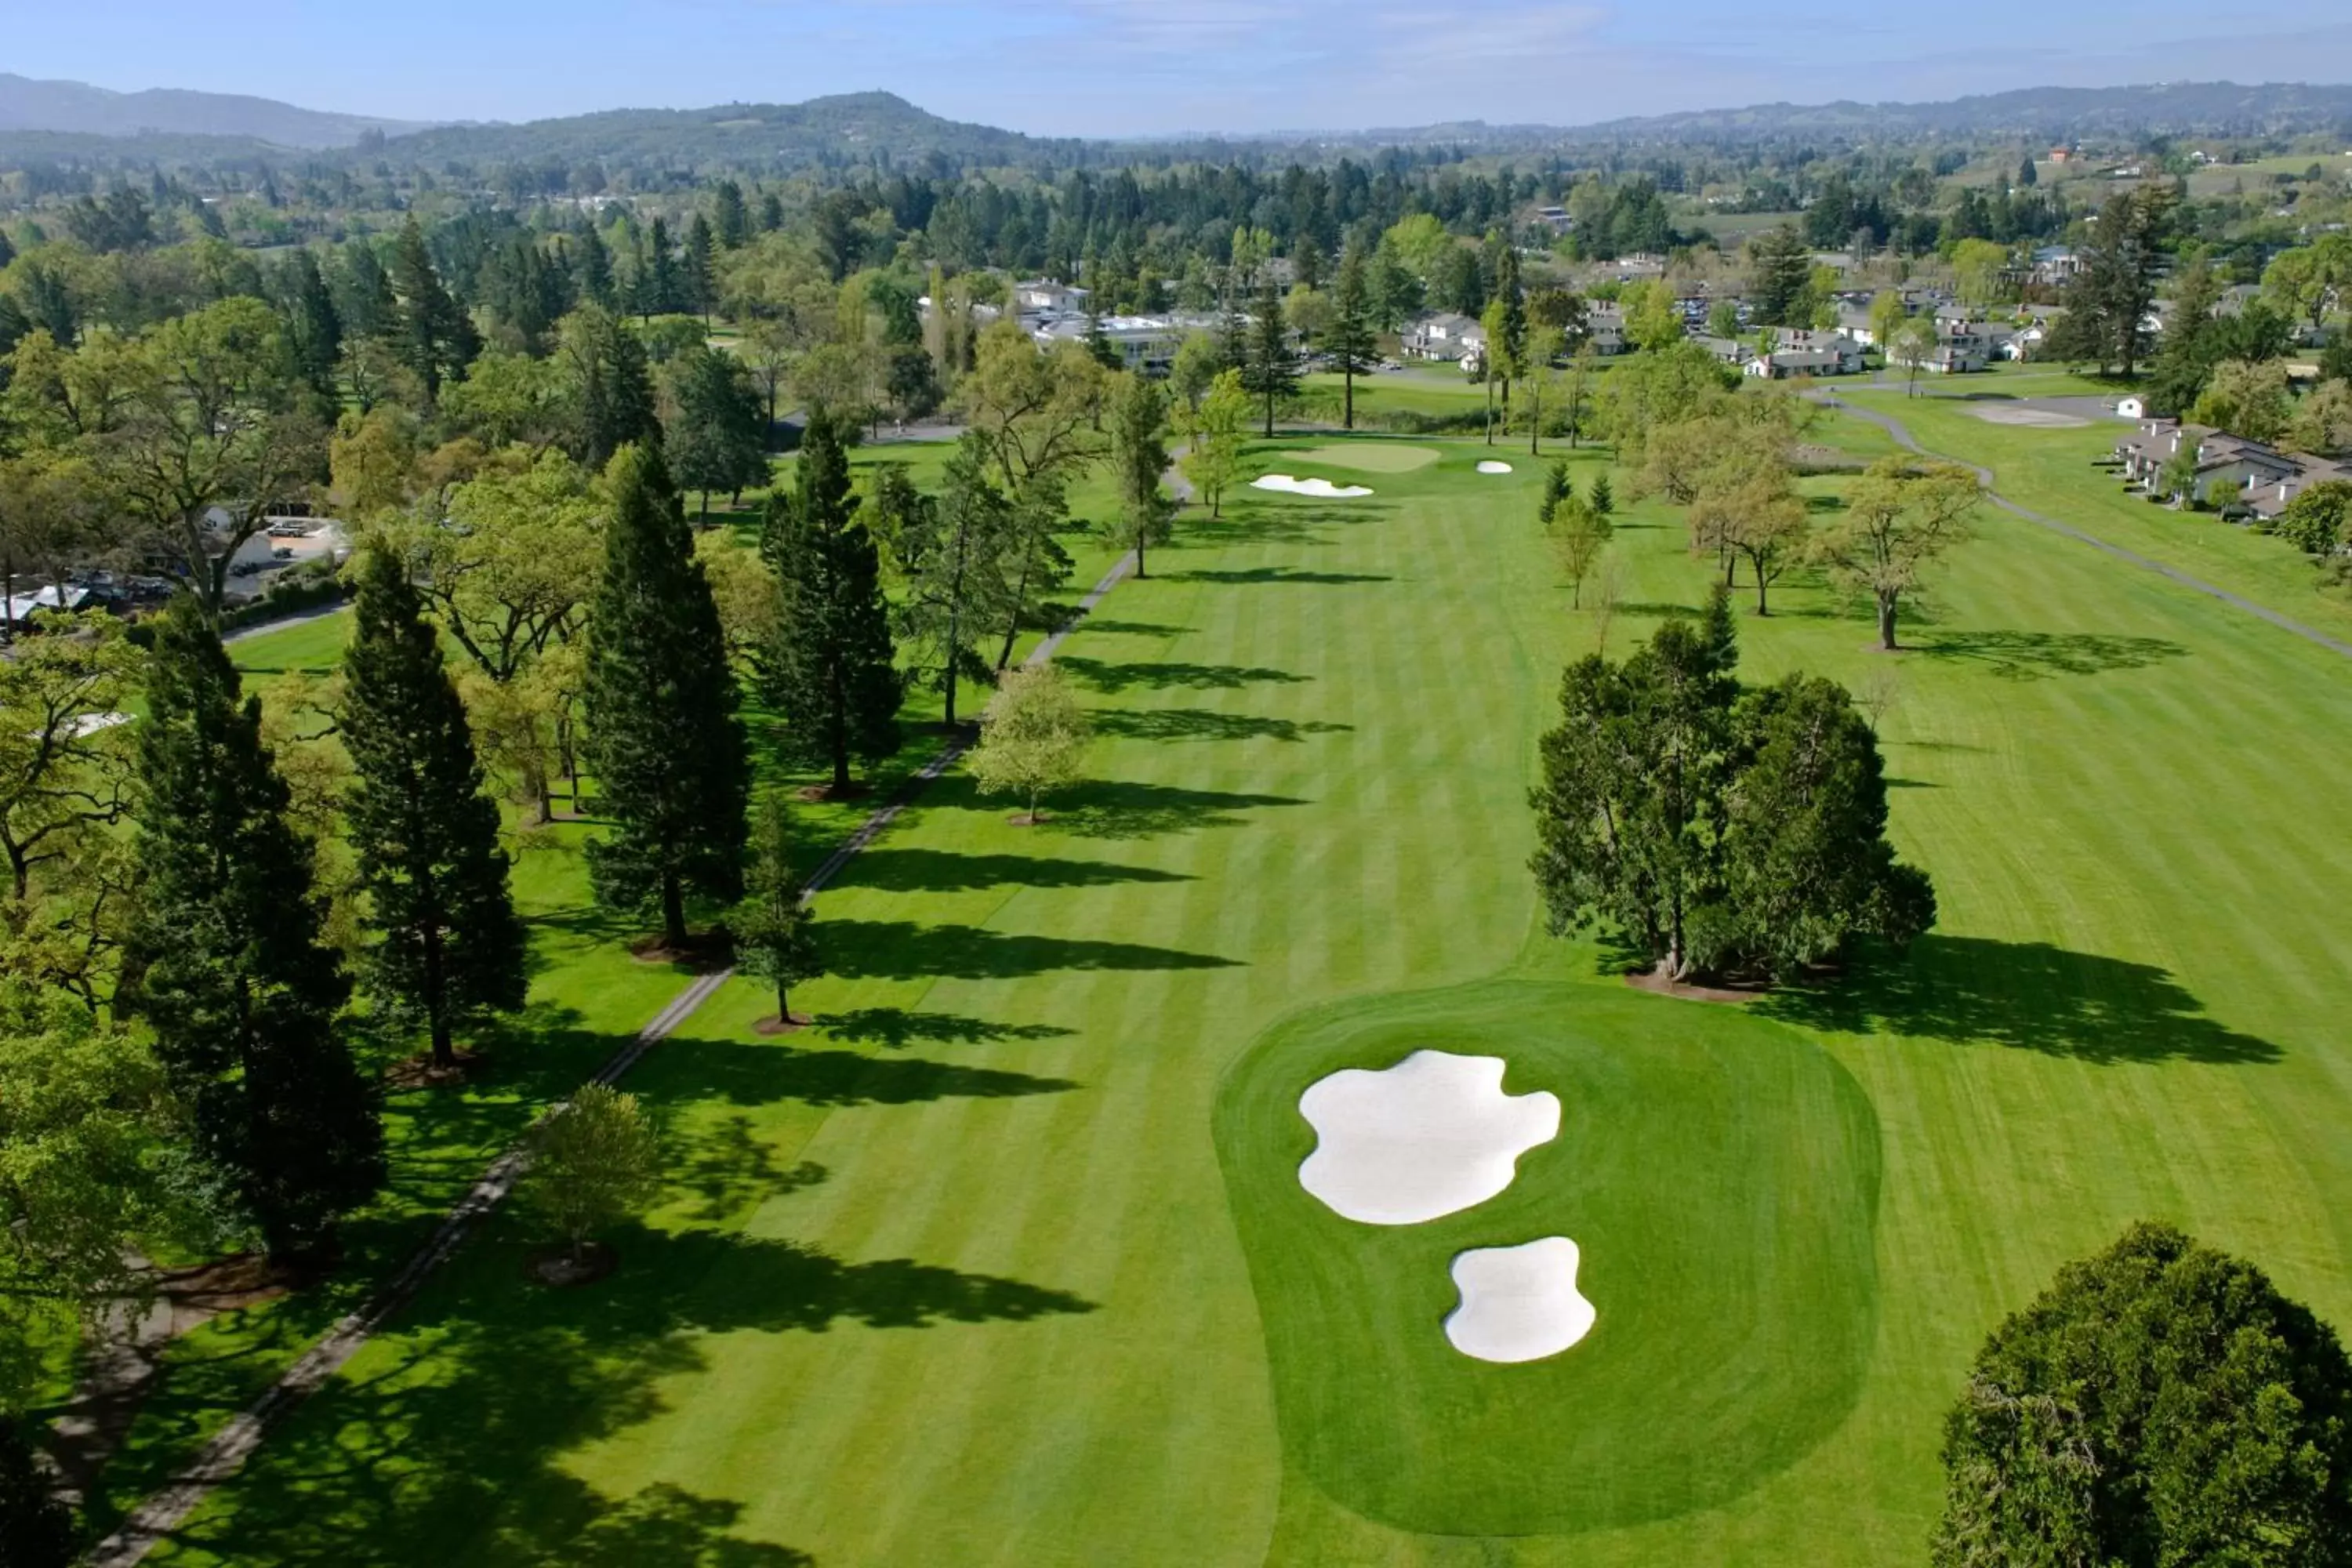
(1111, 809)
(1158, 675)
(898, 1028)
(941, 871)
(729, 1169)
(1202, 725)
(457, 1450)
(1277, 574)
(2036, 655)
(1130, 628)
(762, 1075)
(2027, 996)
(906, 950)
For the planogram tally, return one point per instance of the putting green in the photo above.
(1368, 457)
(1719, 1174)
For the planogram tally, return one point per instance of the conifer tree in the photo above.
(1272, 372)
(1138, 456)
(450, 946)
(243, 994)
(318, 334)
(698, 275)
(831, 671)
(605, 364)
(952, 554)
(1349, 338)
(664, 740)
(436, 340)
(776, 938)
(734, 222)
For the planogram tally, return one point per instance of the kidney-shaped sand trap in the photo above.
(1324, 489)
(1519, 1303)
(1492, 467)
(1433, 1134)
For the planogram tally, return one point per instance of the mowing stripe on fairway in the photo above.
(153, 1520)
(1895, 428)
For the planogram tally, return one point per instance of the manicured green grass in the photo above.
(1371, 456)
(2055, 472)
(1733, 1274)
(957, 1276)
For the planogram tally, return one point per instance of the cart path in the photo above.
(1903, 437)
(156, 1518)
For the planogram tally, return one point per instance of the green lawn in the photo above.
(973, 1271)
(2054, 471)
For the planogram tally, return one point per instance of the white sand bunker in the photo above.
(1519, 1303)
(1491, 467)
(1324, 489)
(1431, 1136)
(2038, 418)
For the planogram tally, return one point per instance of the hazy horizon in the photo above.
(1104, 68)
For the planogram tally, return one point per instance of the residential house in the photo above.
(1445, 335)
(1045, 295)
(1782, 364)
(1144, 344)
(1726, 351)
(1845, 352)
(2265, 499)
(2053, 265)
(2228, 466)
(1555, 219)
(1604, 328)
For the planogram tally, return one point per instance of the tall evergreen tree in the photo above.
(436, 340)
(243, 993)
(775, 936)
(715, 432)
(734, 219)
(952, 552)
(698, 267)
(1349, 339)
(664, 290)
(614, 388)
(664, 740)
(450, 946)
(1779, 284)
(1138, 456)
(1271, 370)
(591, 267)
(830, 671)
(317, 326)
(366, 300)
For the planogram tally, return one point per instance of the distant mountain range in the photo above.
(77, 107)
(845, 127)
(69, 119)
(2178, 108)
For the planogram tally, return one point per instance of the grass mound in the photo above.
(1719, 1174)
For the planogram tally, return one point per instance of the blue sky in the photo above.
(1149, 67)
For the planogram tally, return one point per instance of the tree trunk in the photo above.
(1887, 604)
(1139, 558)
(1760, 607)
(1490, 411)
(673, 912)
(1348, 395)
(783, 1004)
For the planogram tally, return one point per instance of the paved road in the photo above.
(1903, 437)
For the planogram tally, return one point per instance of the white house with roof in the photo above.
(1445, 335)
